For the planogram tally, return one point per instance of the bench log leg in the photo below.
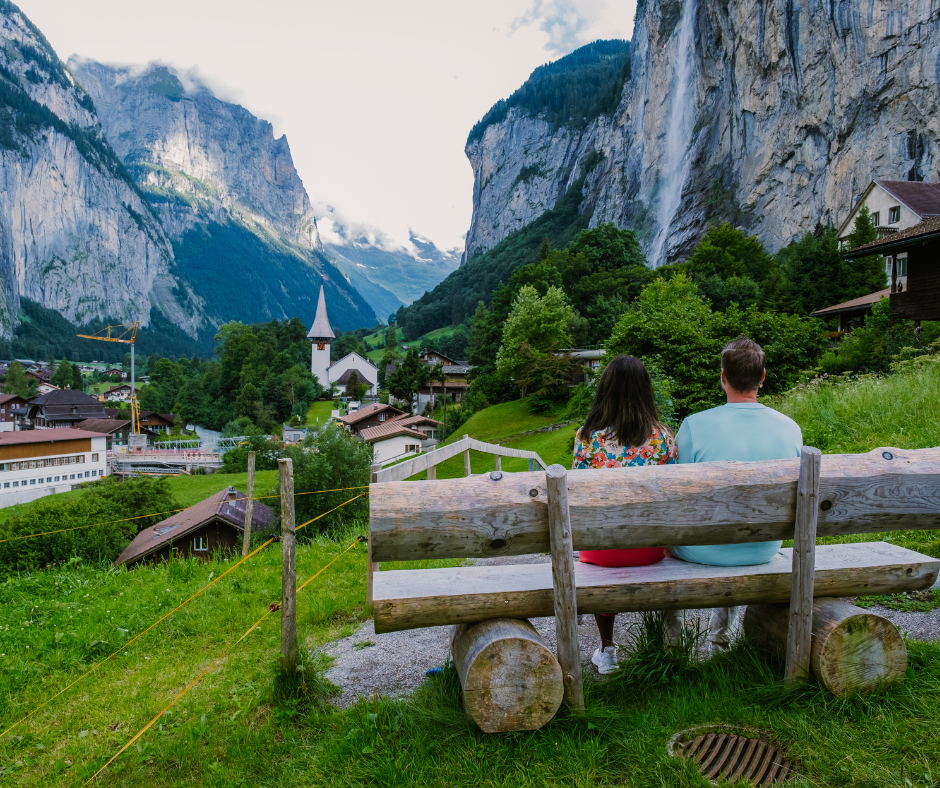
(511, 680)
(804, 566)
(854, 650)
(563, 580)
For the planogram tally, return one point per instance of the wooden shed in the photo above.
(210, 526)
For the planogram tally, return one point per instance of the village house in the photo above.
(430, 428)
(114, 372)
(336, 374)
(149, 420)
(39, 375)
(58, 408)
(36, 463)
(116, 431)
(371, 415)
(455, 383)
(852, 313)
(121, 393)
(393, 441)
(213, 526)
(293, 434)
(7, 404)
(914, 287)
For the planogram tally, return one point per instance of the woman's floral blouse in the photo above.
(603, 452)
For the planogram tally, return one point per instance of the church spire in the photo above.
(320, 330)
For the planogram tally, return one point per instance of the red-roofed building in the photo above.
(852, 313)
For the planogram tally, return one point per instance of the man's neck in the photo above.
(737, 397)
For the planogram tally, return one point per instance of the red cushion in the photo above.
(638, 556)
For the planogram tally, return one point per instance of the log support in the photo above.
(563, 581)
(511, 680)
(804, 566)
(853, 650)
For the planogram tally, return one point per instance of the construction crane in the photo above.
(128, 336)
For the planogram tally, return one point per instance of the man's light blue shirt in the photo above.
(744, 431)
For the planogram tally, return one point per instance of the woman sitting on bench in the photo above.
(622, 428)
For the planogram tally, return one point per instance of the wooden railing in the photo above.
(429, 462)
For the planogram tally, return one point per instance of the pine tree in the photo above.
(16, 382)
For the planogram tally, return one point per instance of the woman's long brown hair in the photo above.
(625, 405)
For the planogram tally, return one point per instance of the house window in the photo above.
(72, 476)
(17, 484)
(57, 478)
(15, 466)
(876, 218)
(201, 544)
(94, 473)
(32, 463)
(894, 214)
(902, 265)
(86, 474)
(6, 485)
(32, 481)
(94, 458)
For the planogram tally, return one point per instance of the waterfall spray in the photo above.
(678, 134)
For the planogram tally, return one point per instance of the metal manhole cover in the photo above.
(733, 753)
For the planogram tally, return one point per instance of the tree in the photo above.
(64, 376)
(410, 375)
(355, 388)
(540, 324)
(16, 381)
(78, 383)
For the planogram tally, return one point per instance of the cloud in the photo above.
(570, 24)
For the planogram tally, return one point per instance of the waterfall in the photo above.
(678, 133)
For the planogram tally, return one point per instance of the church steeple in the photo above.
(320, 335)
(320, 331)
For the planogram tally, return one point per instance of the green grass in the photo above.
(321, 410)
(186, 489)
(907, 602)
(896, 410)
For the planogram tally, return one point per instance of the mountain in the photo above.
(387, 273)
(770, 114)
(227, 193)
(76, 234)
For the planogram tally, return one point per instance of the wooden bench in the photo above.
(508, 681)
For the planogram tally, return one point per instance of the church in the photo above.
(329, 374)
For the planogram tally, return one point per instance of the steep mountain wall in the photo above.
(75, 234)
(227, 193)
(771, 114)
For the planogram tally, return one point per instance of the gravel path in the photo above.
(395, 663)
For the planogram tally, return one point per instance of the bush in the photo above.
(872, 347)
(103, 503)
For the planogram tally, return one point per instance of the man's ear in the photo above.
(764, 376)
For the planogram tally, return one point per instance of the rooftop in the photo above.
(367, 411)
(390, 429)
(929, 228)
(175, 527)
(45, 436)
(321, 323)
(855, 303)
(921, 197)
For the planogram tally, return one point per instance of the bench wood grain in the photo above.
(408, 599)
(706, 503)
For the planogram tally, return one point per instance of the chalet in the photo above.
(371, 415)
(392, 441)
(852, 314)
(455, 383)
(423, 424)
(45, 388)
(40, 375)
(121, 393)
(436, 357)
(7, 404)
(115, 430)
(895, 206)
(114, 372)
(913, 262)
(158, 422)
(587, 363)
(58, 408)
(211, 526)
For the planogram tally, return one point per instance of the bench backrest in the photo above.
(506, 514)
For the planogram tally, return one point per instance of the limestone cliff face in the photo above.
(771, 114)
(182, 140)
(75, 234)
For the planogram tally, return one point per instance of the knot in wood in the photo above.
(496, 475)
(565, 534)
(887, 455)
(533, 492)
(825, 505)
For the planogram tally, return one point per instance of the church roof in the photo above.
(321, 323)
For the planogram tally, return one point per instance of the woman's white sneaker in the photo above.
(605, 660)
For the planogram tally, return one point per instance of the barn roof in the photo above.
(175, 527)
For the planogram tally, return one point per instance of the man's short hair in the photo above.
(743, 362)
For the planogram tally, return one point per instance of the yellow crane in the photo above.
(128, 336)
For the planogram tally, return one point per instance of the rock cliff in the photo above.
(76, 235)
(771, 114)
(212, 171)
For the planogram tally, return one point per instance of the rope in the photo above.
(164, 618)
(227, 651)
(169, 511)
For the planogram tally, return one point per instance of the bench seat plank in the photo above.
(408, 599)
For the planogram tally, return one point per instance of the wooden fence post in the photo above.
(249, 505)
(566, 607)
(531, 465)
(800, 633)
(499, 463)
(432, 472)
(371, 568)
(466, 459)
(288, 571)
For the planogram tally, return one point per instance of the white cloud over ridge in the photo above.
(570, 24)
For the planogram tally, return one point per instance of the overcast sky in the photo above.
(376, 97)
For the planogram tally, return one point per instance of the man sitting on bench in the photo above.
(745, 430)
